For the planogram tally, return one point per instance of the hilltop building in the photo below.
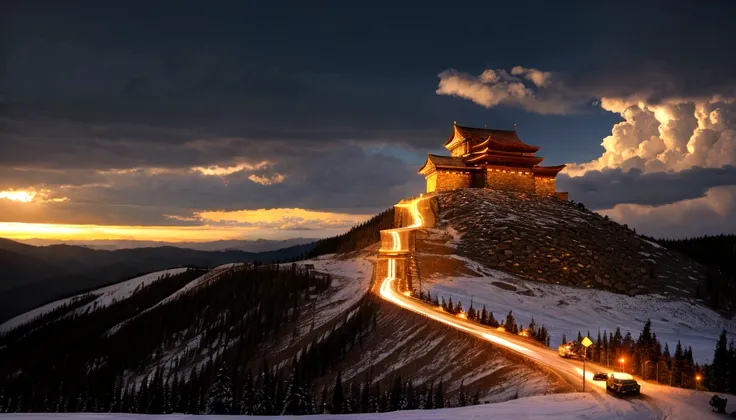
(486, 158)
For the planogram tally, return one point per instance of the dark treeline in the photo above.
(75, 360)
(721, 373)
(357, 238)
(485, 317)
(718, 254)
(644, 356)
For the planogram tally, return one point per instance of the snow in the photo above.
(654, 244)
(105, 297)
(681, 404)
(351, 279)
(123, 290)
(567, 310)
(199, 281)
(548, 407)
(33, 314)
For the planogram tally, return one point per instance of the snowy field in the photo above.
(548, 407)
(105, 297)
(567, 310)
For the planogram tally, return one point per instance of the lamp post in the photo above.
(697, 382)
(644, 371)
(621, 360)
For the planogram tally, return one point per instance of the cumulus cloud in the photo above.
(660, 131)
(540, 93)
(714, 213)
(672, 136)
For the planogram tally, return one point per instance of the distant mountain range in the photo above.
(32, 275)
(254, 245)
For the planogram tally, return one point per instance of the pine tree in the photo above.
(564, 339)
(220, 399)
(719, 378)
(338, 397)
(439, 398)
(462, 399)
(510, 323)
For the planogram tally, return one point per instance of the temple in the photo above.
(485, 158)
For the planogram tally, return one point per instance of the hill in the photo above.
(718, 253)
(170, 341)
(255, 245)
(560, 242)
(33, 275)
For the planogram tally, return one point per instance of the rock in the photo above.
(508, 252)
(620, 286)
(554, 260)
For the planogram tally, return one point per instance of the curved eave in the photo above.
(427, 168)
(490, 151)
(548, 170)
(516, 147)
(528, 161)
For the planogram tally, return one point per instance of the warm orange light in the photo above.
(501, 328)
(524, 333)
(20, 196)
(697, 378)
(621, 360)
(462, 315)
(407, 293)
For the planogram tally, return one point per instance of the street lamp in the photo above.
(621, 360)
(697, 381)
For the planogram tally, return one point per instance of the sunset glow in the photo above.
(22, 196)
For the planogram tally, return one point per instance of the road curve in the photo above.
(569, 370)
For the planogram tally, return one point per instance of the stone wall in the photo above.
(452, 180)
(544, 186)
(510, 180)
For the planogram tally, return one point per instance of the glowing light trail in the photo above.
(548, 357)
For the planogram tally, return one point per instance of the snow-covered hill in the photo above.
(103, 298)
(569, 310)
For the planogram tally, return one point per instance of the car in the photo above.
(622, 383)
(600, 376)
(570, 350)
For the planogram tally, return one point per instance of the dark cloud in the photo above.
(90, 91)
(604, 189)
(712, 214)
(344, 178)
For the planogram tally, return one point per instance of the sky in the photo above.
(192, 121)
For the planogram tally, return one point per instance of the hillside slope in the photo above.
(559, 242)
(316, 322)
(34, 275)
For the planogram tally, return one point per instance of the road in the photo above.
(656, 402)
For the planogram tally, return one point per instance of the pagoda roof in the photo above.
(505, 159)
(492, 144)
(498, 137)
(437, 161)
(548, 170)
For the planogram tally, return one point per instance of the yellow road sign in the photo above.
(586, 342)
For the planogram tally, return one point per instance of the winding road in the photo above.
(656, 402)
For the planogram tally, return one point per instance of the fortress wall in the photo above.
(452, 180)
(511, 180)
(544, 186)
